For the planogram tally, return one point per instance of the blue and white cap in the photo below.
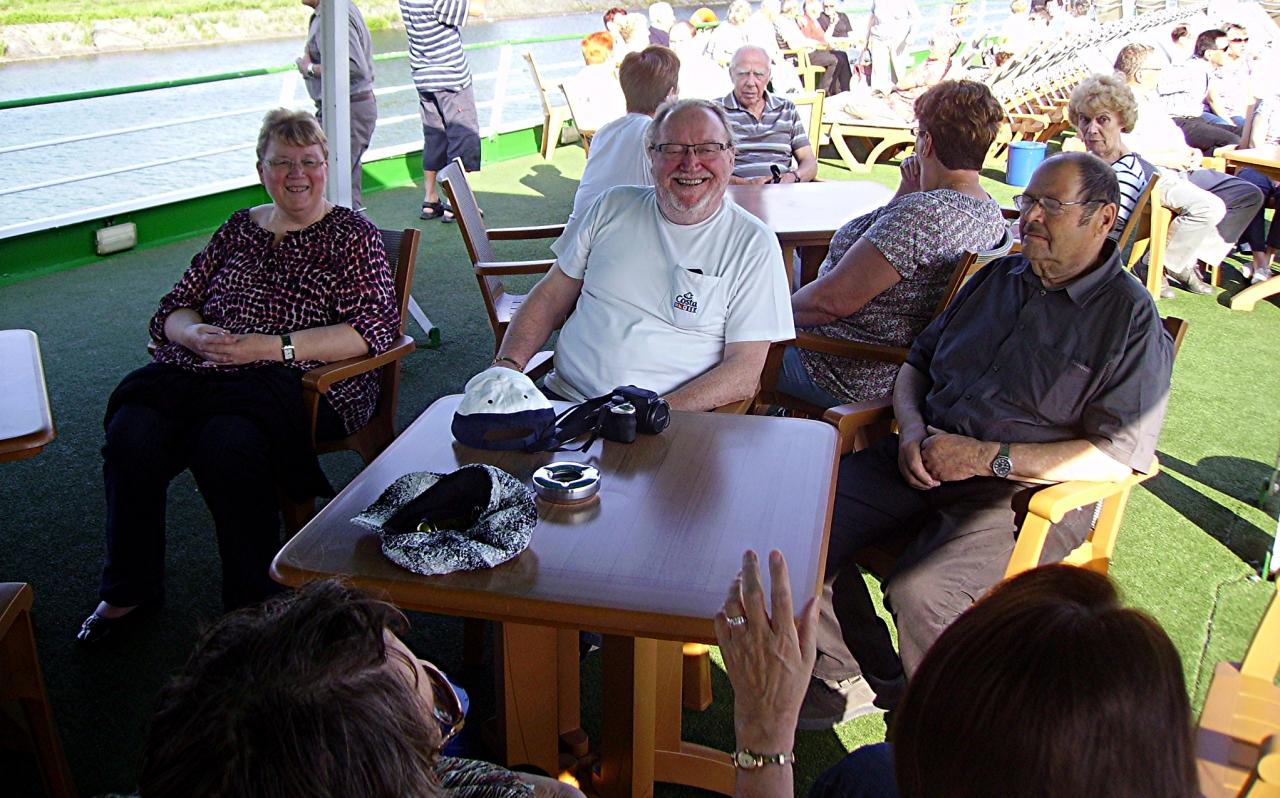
(502, 409)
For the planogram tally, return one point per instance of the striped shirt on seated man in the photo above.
(767, 127)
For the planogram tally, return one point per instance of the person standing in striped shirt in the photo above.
(446, 99)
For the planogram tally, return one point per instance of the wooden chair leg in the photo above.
(23, 682)
(696, 684)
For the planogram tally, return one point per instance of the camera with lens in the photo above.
(630, 410)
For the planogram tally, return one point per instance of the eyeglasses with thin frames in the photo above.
(286, 166)
(447, 707)
(1051, 206)
(705, 149)
(751, 73)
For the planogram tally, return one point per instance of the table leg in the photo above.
(676, 761)
(811, 258)
(628, 719)
(1246, 299)
(640, 733)
(532, 678)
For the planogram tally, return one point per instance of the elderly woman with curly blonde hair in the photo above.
(1210, 208)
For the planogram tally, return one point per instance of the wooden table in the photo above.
(806, 215)
(1267, 161)
(648, 565)
(26, 424)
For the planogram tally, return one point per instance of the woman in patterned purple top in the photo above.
(281, 288)
(888, 270)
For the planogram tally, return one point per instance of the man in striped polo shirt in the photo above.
(446, 101)
(767, 127)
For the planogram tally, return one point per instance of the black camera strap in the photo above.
(572, 424)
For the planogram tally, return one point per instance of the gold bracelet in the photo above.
(504, 358)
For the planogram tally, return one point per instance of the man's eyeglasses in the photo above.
(286, 166)
(1052, 207)
(706, 149)
(447, 708)
(758, 74)
(1245, 40)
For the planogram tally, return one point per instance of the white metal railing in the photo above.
(496, 106)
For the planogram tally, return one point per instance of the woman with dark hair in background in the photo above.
(1045, 688)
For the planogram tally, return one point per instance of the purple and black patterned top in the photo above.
(331, 272)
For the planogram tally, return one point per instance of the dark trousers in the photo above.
(837, 75)
(450, 129)
(230, 458)
(864, 773)
(1206, 136)
(1256, 234)
(961, 535)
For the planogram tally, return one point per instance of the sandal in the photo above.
(446, 214)
(433, 210)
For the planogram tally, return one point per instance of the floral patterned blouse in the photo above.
(331, 272)
(922, 235)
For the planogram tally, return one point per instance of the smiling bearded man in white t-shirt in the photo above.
(670, 288)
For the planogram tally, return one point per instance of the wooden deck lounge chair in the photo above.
(1238, 739)
(879, 139)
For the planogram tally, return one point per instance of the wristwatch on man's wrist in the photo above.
(1001, 466)
(747, 759)
(286, 349)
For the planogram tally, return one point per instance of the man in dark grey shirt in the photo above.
(1048, 366)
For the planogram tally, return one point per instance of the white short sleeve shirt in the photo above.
(660, 300)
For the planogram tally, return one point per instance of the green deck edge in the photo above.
(71, 246)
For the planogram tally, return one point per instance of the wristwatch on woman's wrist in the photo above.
(286, 349)
(746, 759)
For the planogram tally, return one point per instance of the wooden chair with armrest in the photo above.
(809, 106)
(864, 422)
(1238, 738)
(500, 304)
(377, 434)
(969, 264)
(21, 681)
(553, 116)
(1147, 230)
(808, 71)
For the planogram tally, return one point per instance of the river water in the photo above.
(27, 168)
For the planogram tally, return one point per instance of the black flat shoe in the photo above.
(97, 628)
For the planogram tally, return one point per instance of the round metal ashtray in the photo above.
(566, 483)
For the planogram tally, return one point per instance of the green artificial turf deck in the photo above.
(1191, 544)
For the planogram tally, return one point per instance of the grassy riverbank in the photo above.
(23, 12)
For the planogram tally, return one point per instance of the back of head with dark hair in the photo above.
(1047, 688)
(293, 698)
(647, 77)
(610, 13)
(1178, 33)
(962, 118)
(1208, 40)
